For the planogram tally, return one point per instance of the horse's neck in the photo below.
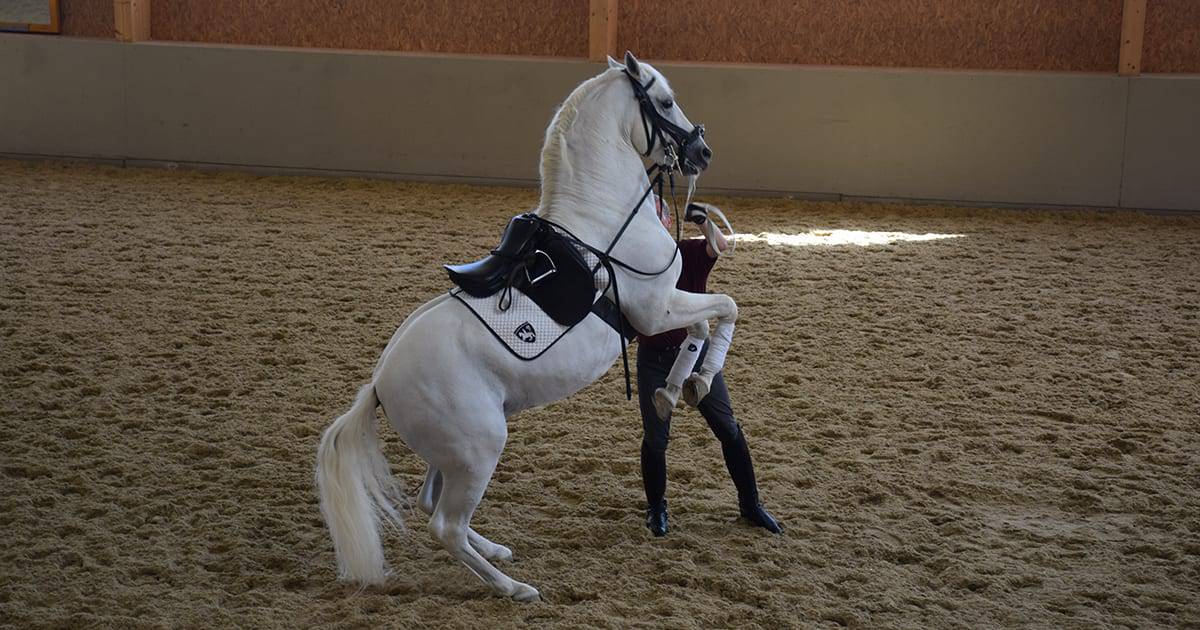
(595, 202)
(595, 184)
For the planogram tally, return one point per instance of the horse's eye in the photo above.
(668, 103)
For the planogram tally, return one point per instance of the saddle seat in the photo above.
(487, 276)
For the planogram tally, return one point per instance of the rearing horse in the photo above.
(448, 387)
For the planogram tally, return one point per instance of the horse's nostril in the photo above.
(706, 152)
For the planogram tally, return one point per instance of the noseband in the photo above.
(655, 124)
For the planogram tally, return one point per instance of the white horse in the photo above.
(447, 386)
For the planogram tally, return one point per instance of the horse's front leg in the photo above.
(666, 398)
(693, 310)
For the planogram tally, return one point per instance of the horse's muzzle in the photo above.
(696, 154)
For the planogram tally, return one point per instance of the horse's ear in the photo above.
(631, 64)
(614, 64)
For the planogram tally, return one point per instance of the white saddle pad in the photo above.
(524, 328)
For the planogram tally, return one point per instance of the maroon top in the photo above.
(693, 279)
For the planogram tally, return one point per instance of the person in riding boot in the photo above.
(655, 357)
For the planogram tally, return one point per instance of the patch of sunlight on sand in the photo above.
(840, 237)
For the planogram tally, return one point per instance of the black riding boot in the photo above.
(741, 470)
(654, 478)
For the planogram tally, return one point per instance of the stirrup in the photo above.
(543, 275)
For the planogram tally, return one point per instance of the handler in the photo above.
(655, 357)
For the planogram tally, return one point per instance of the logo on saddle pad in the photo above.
(526, 333)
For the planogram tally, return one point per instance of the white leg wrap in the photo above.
(685, 362)
(696, 386)
(718, 345)
(665, 398)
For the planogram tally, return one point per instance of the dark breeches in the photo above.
(652, 369)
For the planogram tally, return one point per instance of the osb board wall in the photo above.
(1080, 35)
(978, 34)
(1172, 36)
(87, 18)
(528, 27)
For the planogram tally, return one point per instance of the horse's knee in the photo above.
(731, 311)
(699, 330)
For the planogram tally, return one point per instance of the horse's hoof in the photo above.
(500, 554)
(695, 388)
(664, 403)
(525, 593)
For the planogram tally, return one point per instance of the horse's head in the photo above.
(658, 128)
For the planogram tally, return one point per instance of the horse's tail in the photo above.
(356, 486)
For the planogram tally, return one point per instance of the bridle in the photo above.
(654, 125)
(657, 129)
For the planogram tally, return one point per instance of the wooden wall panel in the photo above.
(1172, 36)
(1081, 35)
(527, 27)
(87, 18)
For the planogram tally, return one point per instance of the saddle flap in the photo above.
(559, 281)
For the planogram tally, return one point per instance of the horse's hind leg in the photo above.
(494, 552)
(450, 524)
(427, 500)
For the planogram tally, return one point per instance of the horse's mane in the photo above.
(554, 157)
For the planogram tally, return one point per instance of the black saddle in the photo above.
(487, 276)
(538, 261)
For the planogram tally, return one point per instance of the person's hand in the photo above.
(698, 213)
